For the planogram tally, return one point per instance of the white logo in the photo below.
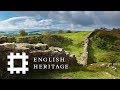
(12, 57)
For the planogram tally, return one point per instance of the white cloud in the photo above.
(61, 20)
(23, 22)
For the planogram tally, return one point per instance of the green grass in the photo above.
(94, 71)
(100, 54)
(77, 39)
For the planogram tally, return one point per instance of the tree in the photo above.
(69, 31)
(47, 38)
(23, 33)
(60, 31)
(116, 46)
(113, 57)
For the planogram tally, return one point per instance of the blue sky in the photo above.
(6, 14)
(67, 20)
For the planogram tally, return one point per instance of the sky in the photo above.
(65, 20)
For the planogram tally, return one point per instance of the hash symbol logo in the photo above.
(12, 57)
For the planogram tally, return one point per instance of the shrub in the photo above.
(104, 39)
(112, 57)
(22, 40)
(56, 40)
(47, 38)
(100, 43)
(11, 39)
(60, 31)
(116, 46)
(60, 41)
(34, 40)
(69, 31)
(23, 33)
(39, 38)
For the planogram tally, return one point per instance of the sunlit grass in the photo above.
(77, 39)
(94, 71)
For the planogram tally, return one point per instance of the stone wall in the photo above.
(85, 55)
(33, 50)
(37, 49)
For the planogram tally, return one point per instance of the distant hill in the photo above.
(30, 31)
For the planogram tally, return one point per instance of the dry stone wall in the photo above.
(33, 50)
(85, 54)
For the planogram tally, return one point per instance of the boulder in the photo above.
(40, 46)
(72, 56)
(57, 49)
(30, 46)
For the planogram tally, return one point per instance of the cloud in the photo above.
(84, 18)
(23, 22)
(62, 20)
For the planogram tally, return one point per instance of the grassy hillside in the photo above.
(106, 43)
(78, 40)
